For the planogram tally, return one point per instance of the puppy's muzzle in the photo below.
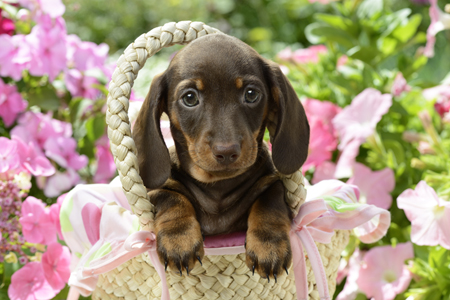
(226, 153)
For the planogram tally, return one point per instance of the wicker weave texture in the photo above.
(220, 277)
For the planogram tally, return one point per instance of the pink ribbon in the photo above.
(303, 235)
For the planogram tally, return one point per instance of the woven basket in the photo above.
(222, 276)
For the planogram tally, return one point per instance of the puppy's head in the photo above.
(217, 93)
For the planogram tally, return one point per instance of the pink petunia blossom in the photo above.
(439, 21)
(38, 127)
(9, 159)
(324, 171)
(323, 135)
(347, 159)
(342, 61)
(11, 103)
(285, 54)
(429, 215)
(52, 8)
(383, 274)
(359, 119)
(56, 265)
(15, 55)
(356, 122)
(32, 160)
(6, 25)
(80, 85)
(37, 227)
(106, 168)
(61, 182)
(55, 209)
(28, 283)
(321, 145)
(400, 85)
(309, 55)
(63, 151)
(351, 289)
(84, 56)
(375, 186)
(441, 94)
(167, 135)
(48, 45)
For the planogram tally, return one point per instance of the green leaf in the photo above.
(407, 31)
(365, 54)
(335, 21)
(95, 127)
(45, 97)
(369, 8)
(318, 33)
(387, 45)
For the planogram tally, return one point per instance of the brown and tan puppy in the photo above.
(220, 178)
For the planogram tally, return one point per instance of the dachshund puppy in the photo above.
(220, 178)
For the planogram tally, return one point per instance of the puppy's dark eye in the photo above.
(251, 96)
(190, 99)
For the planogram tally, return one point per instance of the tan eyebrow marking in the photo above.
(199, 84)
(239, 82)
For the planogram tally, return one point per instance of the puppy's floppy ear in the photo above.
(153, 156)
(291, 138)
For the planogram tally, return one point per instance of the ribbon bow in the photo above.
(303, 235)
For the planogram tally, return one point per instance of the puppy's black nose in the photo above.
(226, 153)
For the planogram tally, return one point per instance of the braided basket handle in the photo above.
(123, 147)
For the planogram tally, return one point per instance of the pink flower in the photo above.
(28, 283)
(54, 214)
(37, 227)
(323, 135)
(359, 119)
(347, 159)
(342, 60)
(310, 54)
(439, 21)
(86, 55)
(11, 103)
(324, 171)
(167, 135)
(429, 216)
(106, 168)
(54, 8)
(47, 41)
(441, 94)
(375, 187)
(56, 265)
(321, 145)
(15, 56)
(6, 25)
(32, 159)
(38, 127)
(63, 151)
(323, 110)
(285, 54)
(357, 122)
(61, 182)
(351, 289)
(384, 274)
(9, 159)
(80, 85)
(400, 85)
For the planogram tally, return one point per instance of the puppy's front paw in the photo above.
(268, 252)
(180, 244)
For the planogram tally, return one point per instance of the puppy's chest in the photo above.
(223, 207)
